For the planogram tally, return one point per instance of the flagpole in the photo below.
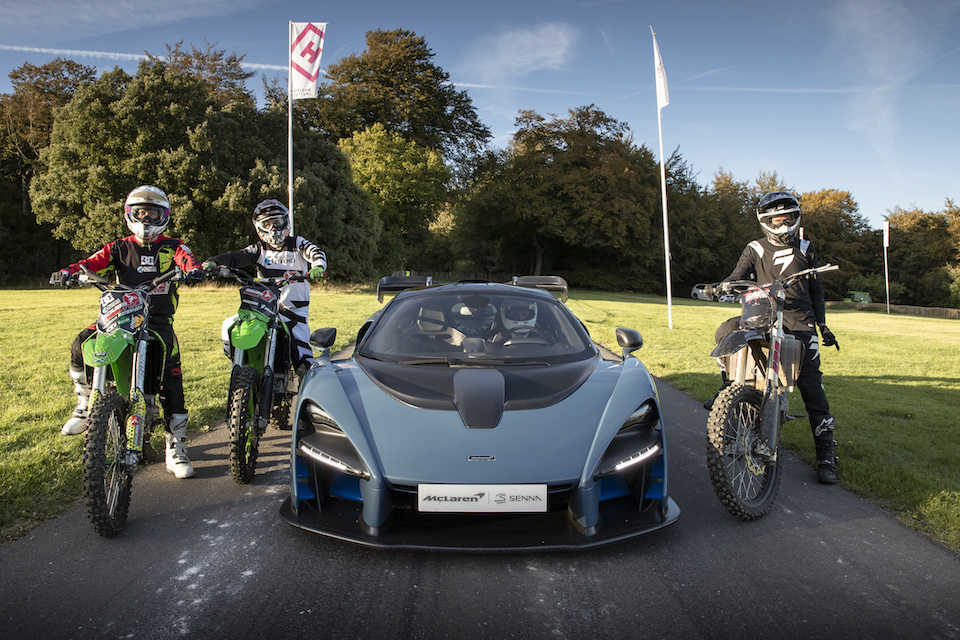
(663, 99)
(886, 268)
(290, 130)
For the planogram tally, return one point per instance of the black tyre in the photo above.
(281, 418)
(241, 416)
(106, 481)
(746, 484)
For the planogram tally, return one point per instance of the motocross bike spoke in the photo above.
(106, 480)
(244, 440)
(744, 482)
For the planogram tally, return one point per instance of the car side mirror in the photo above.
(629, 340)
(324, 338)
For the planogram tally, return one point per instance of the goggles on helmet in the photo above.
(146, 214)
(271, 223)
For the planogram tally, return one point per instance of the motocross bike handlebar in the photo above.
(230, 273)
(85, 276)
(742, 285)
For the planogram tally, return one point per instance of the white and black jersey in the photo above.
(297, 255)
(765, 261)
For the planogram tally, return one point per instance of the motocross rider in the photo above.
(779, 254)
(277, 254)
(136, 259)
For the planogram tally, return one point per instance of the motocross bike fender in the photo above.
(246, 335)
(736, 340)
(102, 349)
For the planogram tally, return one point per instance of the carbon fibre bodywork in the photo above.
(561, 440)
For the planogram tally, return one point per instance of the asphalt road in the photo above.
(207, 558)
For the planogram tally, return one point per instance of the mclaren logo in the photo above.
(473, 498)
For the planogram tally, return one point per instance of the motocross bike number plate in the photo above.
(261, 300)
(121, 310)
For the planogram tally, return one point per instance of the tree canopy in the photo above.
(396, 84)
(407, 183)
(215, 160)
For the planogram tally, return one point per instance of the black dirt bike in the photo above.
(262, 380)
(127, 360)
(762, 363)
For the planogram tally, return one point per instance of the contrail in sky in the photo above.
(112, 55)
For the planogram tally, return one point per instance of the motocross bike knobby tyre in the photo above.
(745, 484)
(106, 481)
(244, 439)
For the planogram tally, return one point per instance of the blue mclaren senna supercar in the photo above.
(478, 416)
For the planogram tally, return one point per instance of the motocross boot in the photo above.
(77, 423)
(177, 461)
(826, 451)
(724, 383)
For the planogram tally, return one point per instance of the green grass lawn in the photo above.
(894, 388)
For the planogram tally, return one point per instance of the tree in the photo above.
(223, 73)
(215, 160)
(923, 252)
(27, 247)
(831, 220)
(572, 192)
(407, 182)
(730, 206)
(395, 83)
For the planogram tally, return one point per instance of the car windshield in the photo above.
(458, 327)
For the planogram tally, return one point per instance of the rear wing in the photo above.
(393, 284)
(553, 284)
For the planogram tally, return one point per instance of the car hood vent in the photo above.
(479, 394)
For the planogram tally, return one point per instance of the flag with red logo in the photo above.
(306, 46)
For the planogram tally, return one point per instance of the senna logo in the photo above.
(502, 498)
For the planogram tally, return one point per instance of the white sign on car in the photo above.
(482, 498)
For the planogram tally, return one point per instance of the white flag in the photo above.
(886, 233)
(663, 96)
(306, 46)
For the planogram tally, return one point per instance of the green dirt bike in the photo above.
(127, 360)
(262, 381)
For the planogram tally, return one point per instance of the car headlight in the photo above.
(637, 440)
(321, 439)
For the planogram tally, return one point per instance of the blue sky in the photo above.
(857, 95)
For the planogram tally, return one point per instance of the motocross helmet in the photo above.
(147, 213)
(518, 316)
(474, 318)
(774, 205)
(272, 222)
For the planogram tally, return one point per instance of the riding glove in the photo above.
(829, 340)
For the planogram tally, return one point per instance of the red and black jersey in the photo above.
(133, 263)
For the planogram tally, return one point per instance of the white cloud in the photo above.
(69, 19)
(888, 42)
(516, 52)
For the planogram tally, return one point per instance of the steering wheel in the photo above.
(530, 335)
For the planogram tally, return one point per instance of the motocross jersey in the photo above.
(133, 263)
(295, 255)
(767, 261)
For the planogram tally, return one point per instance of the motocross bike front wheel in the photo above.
(745, 482)
(241, 416)
(106, 480)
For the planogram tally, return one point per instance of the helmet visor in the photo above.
(519, 312)
(147, 214)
